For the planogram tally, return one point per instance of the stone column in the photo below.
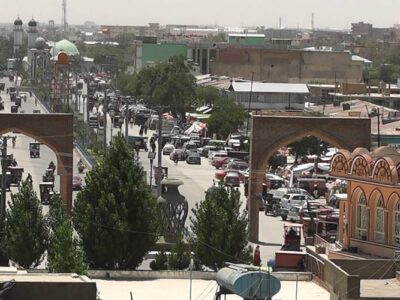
(253, 202)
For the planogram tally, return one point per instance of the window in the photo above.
(397, 224)
(380, 221)
(362, 218)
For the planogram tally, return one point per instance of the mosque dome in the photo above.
(32, 23)
(18, 22)
(65, 46)
(40, 43)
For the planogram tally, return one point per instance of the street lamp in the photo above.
(151, 156)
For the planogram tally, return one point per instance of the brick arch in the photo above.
(269, 133)
(360, 166)
(56, 132)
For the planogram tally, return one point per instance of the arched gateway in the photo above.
(56, 132)
(269, 133)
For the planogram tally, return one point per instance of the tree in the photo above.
(308, 145)
(219, 229)
(167, 84)
(226, 117)
(207, 95)
(26, 233)
(64, 253)
(115, 214)
(180, 256)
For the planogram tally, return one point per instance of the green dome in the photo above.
(18, 22)
(65, 46)
(32, 23)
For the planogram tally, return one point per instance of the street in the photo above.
(197, 178)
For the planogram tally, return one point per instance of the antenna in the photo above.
(312, 21)
(64, 16)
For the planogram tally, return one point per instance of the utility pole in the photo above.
(248, 110)
(105, 108)
(126, 119)
(379, 129)
(159, 151)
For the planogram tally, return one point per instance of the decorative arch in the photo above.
(360, 166)
(340, 164)
(393, 206)
(56, 132)
(361, 213)
(269, 133)
(385, 171)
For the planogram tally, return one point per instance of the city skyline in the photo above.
(334, 14)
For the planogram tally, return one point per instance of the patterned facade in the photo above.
(370, 217)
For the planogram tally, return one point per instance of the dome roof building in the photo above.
(32, 23)
(40, 43)
(65, 46)
(18, 22)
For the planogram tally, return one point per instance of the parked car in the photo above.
(194, 158)
(207, 149)
(289, 200)
(168, 149)
(215, 155)
(297, 212)
(76, 183)
(232, 179)
(220, 174)
(180, 153)
(219, 162)
(237, 165)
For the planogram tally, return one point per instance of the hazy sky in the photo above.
(328, 13)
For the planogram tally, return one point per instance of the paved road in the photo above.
(34, 166)
(197, 179)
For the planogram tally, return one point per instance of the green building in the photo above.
(246, 39)
(153, 53)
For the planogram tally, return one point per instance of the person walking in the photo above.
(145, 129)
(257, 257)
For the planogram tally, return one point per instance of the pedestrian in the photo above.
(141, 130)
(257, 257)
(29, 178)
(145, 129)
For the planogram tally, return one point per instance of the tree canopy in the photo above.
(115, 214)
(65, 254)
(26, 233)
(226, 117)
(308, 145)
(167, 84)
(219, 229)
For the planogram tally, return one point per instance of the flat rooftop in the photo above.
(178, 289)
(43, 277)
(380, 288)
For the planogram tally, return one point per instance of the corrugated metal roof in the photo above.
(247, 35)
(263, 87)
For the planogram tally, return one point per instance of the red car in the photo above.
(219, 162)
(220, 174)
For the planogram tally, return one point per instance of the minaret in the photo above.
(18, 34)
(32, 36)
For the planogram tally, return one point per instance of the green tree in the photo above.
(115, 214)
(26, 233)
(308, 145)
(64, 253)
(207, 95)
(180, 256)
(168, 84)
(226, 117)
(219, 229)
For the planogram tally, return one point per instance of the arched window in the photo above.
(397, 224)
(362, 218)
(380, 221)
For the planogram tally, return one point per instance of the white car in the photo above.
(289, 200)
(213, 155)
(168, 149)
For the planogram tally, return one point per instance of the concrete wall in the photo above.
(368, 268)
(282, 65)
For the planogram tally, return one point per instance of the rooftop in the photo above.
(266, 87)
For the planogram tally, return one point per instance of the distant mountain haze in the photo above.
(338, 14)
